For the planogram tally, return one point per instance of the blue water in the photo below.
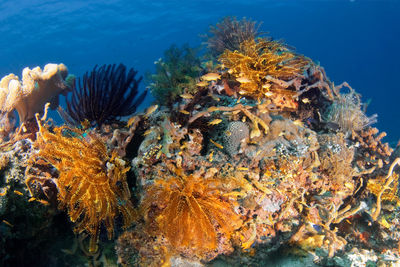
(356, 41)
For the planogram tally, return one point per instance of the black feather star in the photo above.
(104, 95)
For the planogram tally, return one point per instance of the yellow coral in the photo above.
(92, 186)
(190, 212)
(257, 60)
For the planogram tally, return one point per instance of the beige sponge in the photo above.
(37, 88)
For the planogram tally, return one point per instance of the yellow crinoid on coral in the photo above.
(191, 212)
(259, 59)
(91, 185)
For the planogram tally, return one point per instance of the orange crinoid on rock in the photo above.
(91, 185)
(191, 212)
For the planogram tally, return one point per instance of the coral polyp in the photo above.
(91, 185)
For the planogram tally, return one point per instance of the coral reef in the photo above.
(36, 89)
(259, 160)
(104, 95)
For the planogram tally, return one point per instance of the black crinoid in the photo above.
(104, 95)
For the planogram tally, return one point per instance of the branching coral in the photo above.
(191, 212)
(104, 95)
(37, 88)
(92, 186)
(259, 63)
(230, 33)
(176, 72)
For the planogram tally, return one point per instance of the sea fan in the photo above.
(190, 212)
(104, 95)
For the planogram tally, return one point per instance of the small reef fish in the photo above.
(212, 109)
(298, 123)
(216, 98)
(44, 202)
(186, 96)
(202, 83)
(384, 223)
(243, 80)
(266, 86)
(18, 193)
(211, 156)
(242, 169)
(184, 112)
(306, 101)
(147, 132)
(268, 94)
(215, 122)
(210, 76)
(131, 121)
(216, 144)
(150, 110)
(8, 223)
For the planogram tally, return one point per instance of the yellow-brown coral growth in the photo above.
(191, 212)
(258, 59)
(91, 185)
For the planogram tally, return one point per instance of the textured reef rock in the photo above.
(256, 160)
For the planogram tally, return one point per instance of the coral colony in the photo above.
(250, 152)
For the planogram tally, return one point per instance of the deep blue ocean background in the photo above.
(356, 41)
